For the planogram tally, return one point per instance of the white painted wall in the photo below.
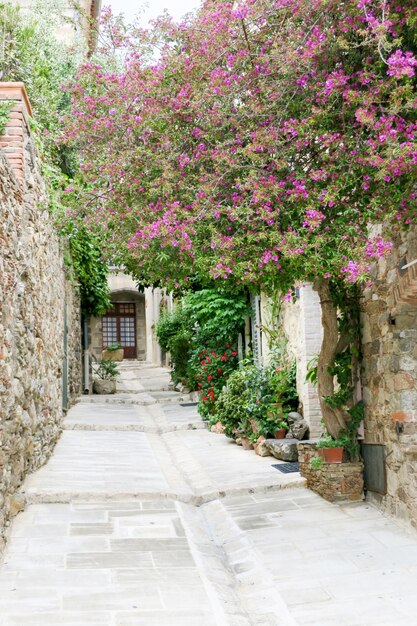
(303, 330)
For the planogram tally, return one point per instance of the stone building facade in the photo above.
(389, 374)
(130, 321)
(304, 333)
(39, 313)
(301, 327)
(389, 338)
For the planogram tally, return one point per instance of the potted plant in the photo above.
(255, 425)
(332, 449)
(281, 430)
(275, 425)
(245, 434)
(113, 352)
(106, 372)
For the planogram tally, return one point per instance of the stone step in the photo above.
(240, 588)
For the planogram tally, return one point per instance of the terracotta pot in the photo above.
(280, 433)
(246, 444)
(255, 426)
(333, 455)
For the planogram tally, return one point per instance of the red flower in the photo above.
(219, 370)
(209, 377)
(234, 353)
(204, 398)
(213, 354)
(228, 345)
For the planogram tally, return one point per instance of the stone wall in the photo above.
(34, 293)
(336, 482)
(389, 336)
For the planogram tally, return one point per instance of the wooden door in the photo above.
(119, 326)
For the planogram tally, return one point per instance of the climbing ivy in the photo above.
(32, 54)
(90, 270)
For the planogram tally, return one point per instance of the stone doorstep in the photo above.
(283, 449)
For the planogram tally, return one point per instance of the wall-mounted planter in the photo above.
(336, 482)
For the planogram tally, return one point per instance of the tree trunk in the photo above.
(335, 419)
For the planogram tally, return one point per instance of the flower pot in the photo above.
(255, 425)
(261, 447)
(246, 444)
(102, 386)
(113, 355)
(333, 455)
(280, 433)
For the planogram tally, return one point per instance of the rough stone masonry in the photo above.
(389, 339)
(34, 293)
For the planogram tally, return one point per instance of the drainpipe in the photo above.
(404, 267)
(86, 367)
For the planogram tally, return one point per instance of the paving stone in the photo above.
(165, 618)
(173, 558)
(113, 560)
(91, 529)
(122, 543)
(60, 619)
(138, 545)
(145, 598)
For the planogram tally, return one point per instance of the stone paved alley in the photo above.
(144, 518)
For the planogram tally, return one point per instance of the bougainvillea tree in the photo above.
(260, 142)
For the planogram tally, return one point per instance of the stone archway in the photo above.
(124, 323)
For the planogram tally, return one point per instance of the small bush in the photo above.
(107, 369)
(175, 336)
(264, 395)
(232, 405)
(214, 370)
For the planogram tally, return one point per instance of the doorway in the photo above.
(119, 326)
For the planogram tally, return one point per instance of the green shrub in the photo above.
(232, 405)
(175, 336)
(90, 269)
(113, 347)
(200, 335)
(107, 369)
(265, 395)
(214, 370)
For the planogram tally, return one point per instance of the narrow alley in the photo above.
(144, 518)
